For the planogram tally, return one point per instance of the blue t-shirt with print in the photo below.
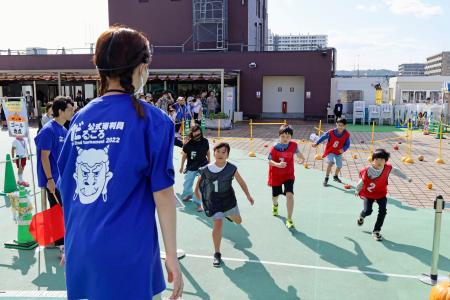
(111, 163)
(50, 138)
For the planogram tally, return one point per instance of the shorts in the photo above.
(332, 158)
(232, 212)
(21, 161)
(288, 188)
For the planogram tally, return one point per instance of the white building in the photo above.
(417, 89)
(416, 69)
(350, 89)
(438, 64)
(296, 42)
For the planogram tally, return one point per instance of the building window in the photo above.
(291, 89)
(407, 96)
(143, 1)
(280, 89)
(349, 96)
(435, 96)
(258, 8)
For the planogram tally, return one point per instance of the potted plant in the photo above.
(212, 122)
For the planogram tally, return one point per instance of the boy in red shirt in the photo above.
(338, 141)
(372, 187)
(281, 171)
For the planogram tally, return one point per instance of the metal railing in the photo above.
(185, 47)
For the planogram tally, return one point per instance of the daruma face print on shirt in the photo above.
(92, 167)
(92, 174)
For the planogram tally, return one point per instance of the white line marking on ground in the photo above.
(37, 294)
(264, 262)
(58, 294)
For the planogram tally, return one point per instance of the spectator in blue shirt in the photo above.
(49, 142)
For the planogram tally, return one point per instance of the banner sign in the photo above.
(16, 116)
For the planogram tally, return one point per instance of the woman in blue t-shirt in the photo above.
(116, 167)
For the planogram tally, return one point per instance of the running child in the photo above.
(19, 153)
(372, 187)
(214, 187)
(196, 152)
(281, 171)
(338, 142)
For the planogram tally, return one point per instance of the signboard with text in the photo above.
(16, 116)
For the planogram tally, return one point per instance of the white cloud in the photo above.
(418, 8)
(369, 8)
(376, 47)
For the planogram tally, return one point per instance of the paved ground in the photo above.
(327, 257)
(415, 193)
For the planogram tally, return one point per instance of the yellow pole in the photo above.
(251, 153)
(372, 143)
(404, 158)
(318, 156)
(373, 135)
(409, 159)
(218, 131)
(182, 129)
(439, 160)
(410, 138)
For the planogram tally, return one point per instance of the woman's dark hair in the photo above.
(286, 129)
(194, 129)
(48, 106)
(118, 52)
(381, 153)
(59, 103)
(222, 145)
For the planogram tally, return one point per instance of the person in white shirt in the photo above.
(196, 108)
(19, 153)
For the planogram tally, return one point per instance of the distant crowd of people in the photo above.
(191, 106)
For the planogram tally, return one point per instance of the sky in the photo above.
(377, 33)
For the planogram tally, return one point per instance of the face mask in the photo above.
(140, 90)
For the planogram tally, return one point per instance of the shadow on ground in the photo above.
(252, 277)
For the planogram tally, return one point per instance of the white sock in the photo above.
(20, 177)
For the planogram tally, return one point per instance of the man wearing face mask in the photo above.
(196, 152)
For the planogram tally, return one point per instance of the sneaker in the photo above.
(325, 182)
(187, 198)
(377, 236)
(289, 224)
(360, 221)
(274, 210)
(25, 184)
(199, 208)
(217, 262)
(336, 178)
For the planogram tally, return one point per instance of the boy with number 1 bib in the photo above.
(215, 189)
